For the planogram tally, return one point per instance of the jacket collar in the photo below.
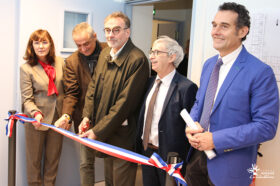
(123, 55)
(237, 66)
(171, 89)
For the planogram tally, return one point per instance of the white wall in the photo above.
(8, 48)
(142, 23)
(201, 49)
(48, 14)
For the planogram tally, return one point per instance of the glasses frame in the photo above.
(115, 31)
(157, 52)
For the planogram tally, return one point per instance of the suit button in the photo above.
(227, 150)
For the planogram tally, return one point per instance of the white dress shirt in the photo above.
(228, 61)
(163, 89)
(114, 56)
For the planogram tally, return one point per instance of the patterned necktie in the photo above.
(210, 95)
(149, 116)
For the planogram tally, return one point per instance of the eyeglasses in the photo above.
(157, 52)
(115, 30)
(38, 43)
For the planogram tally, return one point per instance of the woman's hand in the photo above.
(38, 117)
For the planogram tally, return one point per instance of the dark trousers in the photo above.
(152, 176)
(196, 171)
(119, 172)
(87, 171)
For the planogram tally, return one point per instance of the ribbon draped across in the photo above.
(154, 160)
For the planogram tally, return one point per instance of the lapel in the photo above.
(150, 85)
(58, 66)
(124, 53)
(143, 108)
(41, 72)
(237, 66)
(171, 89)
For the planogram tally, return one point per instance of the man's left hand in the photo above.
(88, 134)
(63, 122)
(205, 141)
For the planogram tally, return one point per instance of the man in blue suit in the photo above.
(160, 127)
(244, 109)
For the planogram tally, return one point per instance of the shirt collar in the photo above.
(166, 81)
(114, 56)
(232, 56)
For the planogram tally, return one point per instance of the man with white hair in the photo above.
(160, 126)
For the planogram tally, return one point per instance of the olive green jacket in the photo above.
(115, 93)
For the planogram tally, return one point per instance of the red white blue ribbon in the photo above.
(154, 160)
(171, 169)
(10, 125)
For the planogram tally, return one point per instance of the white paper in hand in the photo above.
(189, 121)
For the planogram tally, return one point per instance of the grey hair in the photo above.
(83, 27)
(172, 47)
(119, 15)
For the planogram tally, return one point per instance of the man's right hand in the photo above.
(190, 133)
(84, 125)
(63, 122)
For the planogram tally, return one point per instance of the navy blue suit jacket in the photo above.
(171, 127)
(244, 114)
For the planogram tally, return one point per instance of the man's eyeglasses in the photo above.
(115, 30)
(157, 52)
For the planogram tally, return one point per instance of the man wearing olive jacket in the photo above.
(114, 95)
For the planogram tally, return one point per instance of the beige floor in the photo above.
(138, 181)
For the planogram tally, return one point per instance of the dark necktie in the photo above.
(149, 117)
(210, 95)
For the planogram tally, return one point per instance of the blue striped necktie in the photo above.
(210, 95)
